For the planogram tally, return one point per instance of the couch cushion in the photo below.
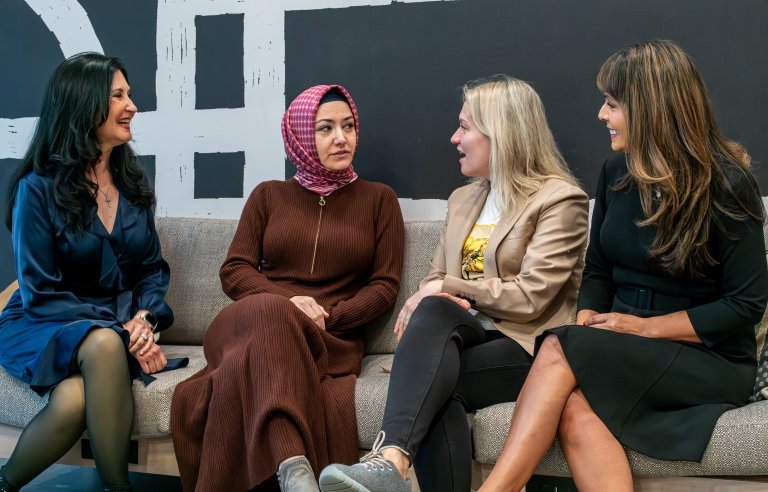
(371, 397)
(761, 383)
(153, 402)
(20, 404)
(737, 446)
(195, 250)
(421, 240)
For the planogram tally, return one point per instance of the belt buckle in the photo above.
(644, 298)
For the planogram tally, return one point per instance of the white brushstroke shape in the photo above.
(69, 22)
(71, 26)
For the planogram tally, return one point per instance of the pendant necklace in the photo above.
(107, 198)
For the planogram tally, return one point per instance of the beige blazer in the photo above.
(533, 261)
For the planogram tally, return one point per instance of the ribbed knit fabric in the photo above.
(276, 385)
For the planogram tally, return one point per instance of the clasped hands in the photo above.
(142, 345)
(310, 307)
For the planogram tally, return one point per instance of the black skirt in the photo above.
(659, 397)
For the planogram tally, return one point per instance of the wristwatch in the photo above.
(148, 318)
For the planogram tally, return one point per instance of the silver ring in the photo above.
(407, 317)
(144, 337)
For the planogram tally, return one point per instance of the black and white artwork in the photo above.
(211, 79)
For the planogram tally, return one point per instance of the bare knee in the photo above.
(550, 353)
(551, 344)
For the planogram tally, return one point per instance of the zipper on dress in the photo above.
(317, 234)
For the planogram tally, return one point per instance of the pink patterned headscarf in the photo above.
(298, 128)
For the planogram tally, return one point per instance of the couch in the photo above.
(195, 249)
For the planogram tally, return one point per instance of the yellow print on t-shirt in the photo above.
(473, 252)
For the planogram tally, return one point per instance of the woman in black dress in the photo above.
(674, 282)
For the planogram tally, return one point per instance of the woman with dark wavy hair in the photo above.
(674, 282)
(91, 275)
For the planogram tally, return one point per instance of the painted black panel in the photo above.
(29, 53)
(219, 175)
(129, 32)
(405, 63)
(7, 268)
(150, 169)
(219, 74)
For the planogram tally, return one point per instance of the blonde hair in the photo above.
(676, 151)
(523, 150)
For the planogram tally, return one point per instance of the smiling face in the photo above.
(335, 135)
(473, 146)
(612, 113)
(116, 130)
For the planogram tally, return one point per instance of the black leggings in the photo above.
(445, 365)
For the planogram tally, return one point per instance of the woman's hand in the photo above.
(311, 308)
(458, 300)
(152, 360)
(620, 323)
(583, 315)
(142, 338)
(673, 326)
(429, 289)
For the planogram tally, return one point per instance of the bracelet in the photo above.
(148, 318)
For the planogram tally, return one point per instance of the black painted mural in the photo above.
(404, 63)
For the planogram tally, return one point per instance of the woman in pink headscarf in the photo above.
(314, 259)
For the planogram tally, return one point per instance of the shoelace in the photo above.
(374, 459)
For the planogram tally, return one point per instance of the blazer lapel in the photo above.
(499, 233)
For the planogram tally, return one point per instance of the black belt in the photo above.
(646, 298)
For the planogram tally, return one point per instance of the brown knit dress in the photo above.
(276, 385)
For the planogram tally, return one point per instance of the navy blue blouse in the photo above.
(71, 282)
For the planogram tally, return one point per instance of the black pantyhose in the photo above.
(99, 399)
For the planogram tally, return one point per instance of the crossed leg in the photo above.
(596, 459)
(99, 398)
(550, 401)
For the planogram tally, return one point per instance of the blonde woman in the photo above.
(675, 281)
(508, 266)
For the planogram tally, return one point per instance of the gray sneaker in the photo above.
(295, 475)
(372, 474)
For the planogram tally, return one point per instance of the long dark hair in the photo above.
(64, 144)
(676, 151)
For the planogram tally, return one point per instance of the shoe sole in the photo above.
(334, 480)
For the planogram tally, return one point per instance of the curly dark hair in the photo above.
(64, 145)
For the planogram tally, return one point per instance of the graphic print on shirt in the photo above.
(473, 252)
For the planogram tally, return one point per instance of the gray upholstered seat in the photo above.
(195, 249)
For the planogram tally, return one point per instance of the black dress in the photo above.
(660, 397)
